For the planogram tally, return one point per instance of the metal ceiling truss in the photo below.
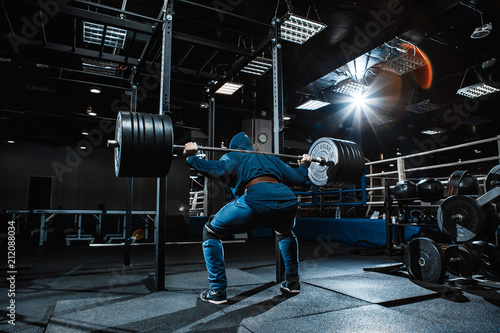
(149, 35)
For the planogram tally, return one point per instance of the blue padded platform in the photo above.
(345, 231)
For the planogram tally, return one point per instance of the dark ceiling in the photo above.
(45, 84)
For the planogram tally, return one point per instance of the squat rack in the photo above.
(274, 39)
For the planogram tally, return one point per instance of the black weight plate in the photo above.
(137, 156)
(336, 181)
(342, 179)
(492, 179)
(168, 144)
(139, 165)
(119, 140)
(490, 258)
(490, 262)
(124, 154)
(358, 162)
(460, 218)
(350, 165)
(424, 260)
(462, 260)
(150, 152)
(163, 143)
(348, 162)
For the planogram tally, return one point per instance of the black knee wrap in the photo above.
(208, 232)
(285, 236)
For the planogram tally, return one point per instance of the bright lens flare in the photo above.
(359, 101)
(423, 74)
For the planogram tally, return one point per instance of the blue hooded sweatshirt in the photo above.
(249, 166)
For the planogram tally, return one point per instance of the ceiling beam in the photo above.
(84, 52)
(120, 11)
(211, 43)
(107, 19)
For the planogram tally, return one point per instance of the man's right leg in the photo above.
(235, 217)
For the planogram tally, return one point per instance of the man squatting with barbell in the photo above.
(263, 199)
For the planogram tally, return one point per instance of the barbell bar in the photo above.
(320, 160)
(143, 147)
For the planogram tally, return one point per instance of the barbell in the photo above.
(143, 147)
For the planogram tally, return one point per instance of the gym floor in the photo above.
(87, 289)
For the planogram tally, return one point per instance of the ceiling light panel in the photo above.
(402, 64)
(312, 105)
(93, 32)
(229, 88)
(299, 30)
(258, 66)
(349, 87)
(422, 107)
(477, 90)
(379, 120)
(99, 67)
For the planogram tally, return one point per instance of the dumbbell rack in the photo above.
(393, 250)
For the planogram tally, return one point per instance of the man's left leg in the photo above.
(213, 252)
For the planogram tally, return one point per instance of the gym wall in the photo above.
(79, 181)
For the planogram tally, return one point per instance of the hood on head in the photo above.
(241, 141)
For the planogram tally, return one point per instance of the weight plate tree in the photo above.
(424, 260)
(144, 147)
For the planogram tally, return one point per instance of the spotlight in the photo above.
(432, 131)
(90, 112)
(10, 141)
(482, 31)
(358, 100)
(95, 90)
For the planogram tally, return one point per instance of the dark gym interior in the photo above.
(399, 234)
